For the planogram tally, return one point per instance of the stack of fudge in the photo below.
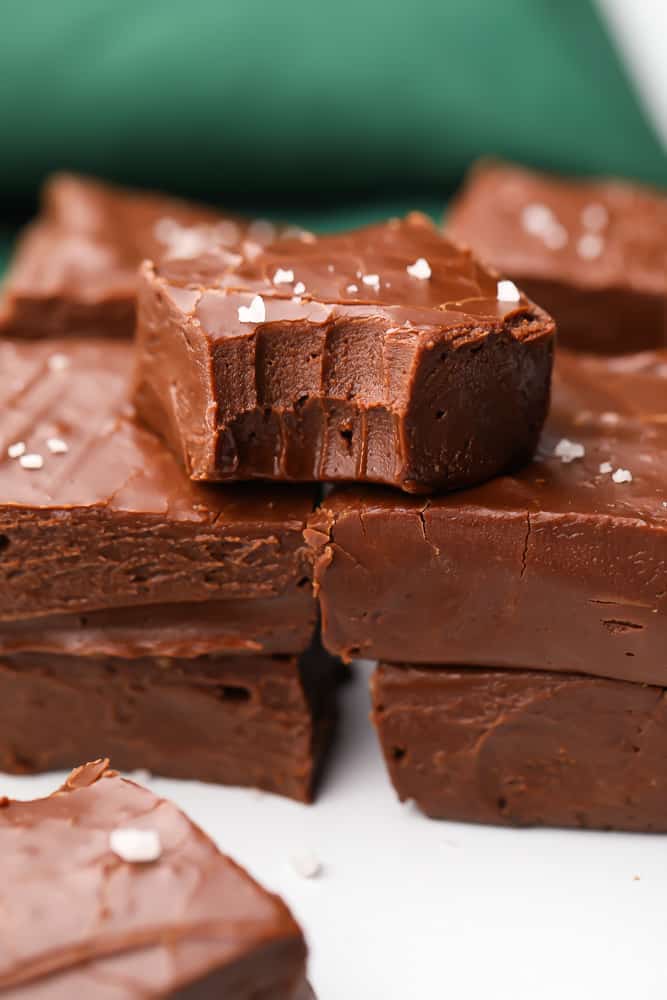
(509, 575)
(167, 624)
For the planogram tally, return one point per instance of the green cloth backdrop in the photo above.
(248, 99)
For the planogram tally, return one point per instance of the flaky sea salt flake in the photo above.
(58, 362)
(32, 461)
(255, 312)
(622, 476)
(590, 246)
(568, 450)
(57, 446)
(508, 292)
(135, 846)
(372, 280)
(421, 269)
(605, 468)
(283, 277)
(17, 449)
(299, 288)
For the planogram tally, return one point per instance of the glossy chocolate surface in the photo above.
(341, 358)
(561, 566)
(592, 252)
(96, 513)
(259, 721)
(77, 920)
(75, 268)
(524, 748)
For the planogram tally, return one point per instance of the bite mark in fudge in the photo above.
(113, 522)
(591, 252)
(561, 566)
(260, 721)
(75, 267)
(524, 748)
(78, 920)
(331, 359)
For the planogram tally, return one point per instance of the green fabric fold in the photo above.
(231, 99)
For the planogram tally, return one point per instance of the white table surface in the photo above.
(411, 909)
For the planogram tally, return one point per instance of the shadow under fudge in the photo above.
(74, 271)
(189, 923)
(561, 566)
(383, 354)
(593, 252)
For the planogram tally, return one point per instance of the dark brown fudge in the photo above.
(524, 747)
(592, 252)
(260, 721)
(281, 624)
(75, 268)
(561, 566)
(95, 513)
(111, 892)
(383, 354)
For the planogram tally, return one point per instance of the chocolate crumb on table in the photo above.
(179, 918)
(593, 252)
(383, 354)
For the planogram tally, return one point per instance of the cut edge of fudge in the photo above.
(524, 748)
(255, 721)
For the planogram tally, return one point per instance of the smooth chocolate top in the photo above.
(598, 233)
(74, 914)
(308, 278)
(74, 392)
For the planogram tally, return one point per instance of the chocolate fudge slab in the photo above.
(591, 252)
(561, 566)
(524, 747)
(383, 354)
(282, 624)
(75, 268)
(259, 721)
(79, 919)
(95, 513)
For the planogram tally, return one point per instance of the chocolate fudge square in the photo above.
(260, 721)
(591, 252)
(75, 267)
(561, 566)
(95, 513)
(524, 748)
(111, 892)
(383, 354)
